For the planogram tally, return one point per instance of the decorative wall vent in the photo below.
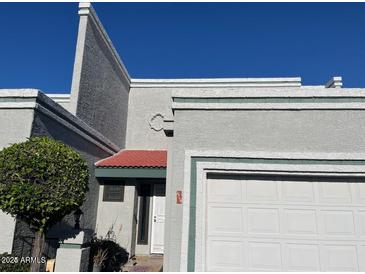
(156, 122)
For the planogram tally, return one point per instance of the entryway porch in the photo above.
(132, 202)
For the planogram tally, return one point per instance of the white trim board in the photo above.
(218, 82)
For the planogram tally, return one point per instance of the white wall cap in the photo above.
(334, 82)
(218, 82)
(58, 95)
(84, 4)
(60, 98)
(77, 239)
(85, 8)
(22, 92)
(268, 93)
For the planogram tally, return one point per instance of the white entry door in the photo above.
(285, 225)
(158, 219)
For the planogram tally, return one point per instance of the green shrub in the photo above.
(41, 181)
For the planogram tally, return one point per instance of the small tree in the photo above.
(41, 181)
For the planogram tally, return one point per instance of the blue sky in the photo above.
(188, 40)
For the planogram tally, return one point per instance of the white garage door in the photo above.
(284, 225)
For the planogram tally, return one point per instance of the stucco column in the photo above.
(71, 257)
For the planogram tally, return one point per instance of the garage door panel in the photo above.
(264, 256)
(232, 192)
(334, 193)
(225, 255)
(298, 192)
(361, 220)
(262, 191)
(225, 220)
(263, 220)
(299, 221)
(301, 257)
(339, 258)
(361, 255)
(337, 222)
(360, 193)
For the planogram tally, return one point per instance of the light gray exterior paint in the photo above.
(147, 109)
(16, 126)
(7, 232)
(26, 113)
(100, 84)
(275, 129)
(212, 123)
(68, 259)
(119, 217)
(62, 99)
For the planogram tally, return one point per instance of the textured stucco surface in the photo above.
(99, 90)
(68, 259)
(63, 99)
(15, 127)
(118, 216)
(145, 107)
(7, 232)
(270, 131)
(45, 126)
(35, 114)
(132, 117)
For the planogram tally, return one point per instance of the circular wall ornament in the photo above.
(156, 122)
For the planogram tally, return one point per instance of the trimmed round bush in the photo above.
(41, 181)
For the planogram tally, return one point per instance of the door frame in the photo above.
(153, 214)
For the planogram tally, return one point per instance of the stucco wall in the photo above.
(63, 99)
(119, 216)
(147, 109)
(15, 126)
(26, 113)
(6, 232)
(44, 126)
(99, 94)
(247, 130)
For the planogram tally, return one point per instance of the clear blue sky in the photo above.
(181, 40)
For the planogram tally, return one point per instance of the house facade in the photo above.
(241, 174)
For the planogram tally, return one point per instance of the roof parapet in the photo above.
(86, 9)
(334, 82)
(219, 82)
(59, 98)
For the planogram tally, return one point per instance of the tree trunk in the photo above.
(37, 251)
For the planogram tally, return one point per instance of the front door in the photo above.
(158, 219)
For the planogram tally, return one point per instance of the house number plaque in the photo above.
(179, 197)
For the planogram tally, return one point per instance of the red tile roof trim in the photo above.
(135, 159)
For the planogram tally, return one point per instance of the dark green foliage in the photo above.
(11, 263)
(41, 181)
(117, 256)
